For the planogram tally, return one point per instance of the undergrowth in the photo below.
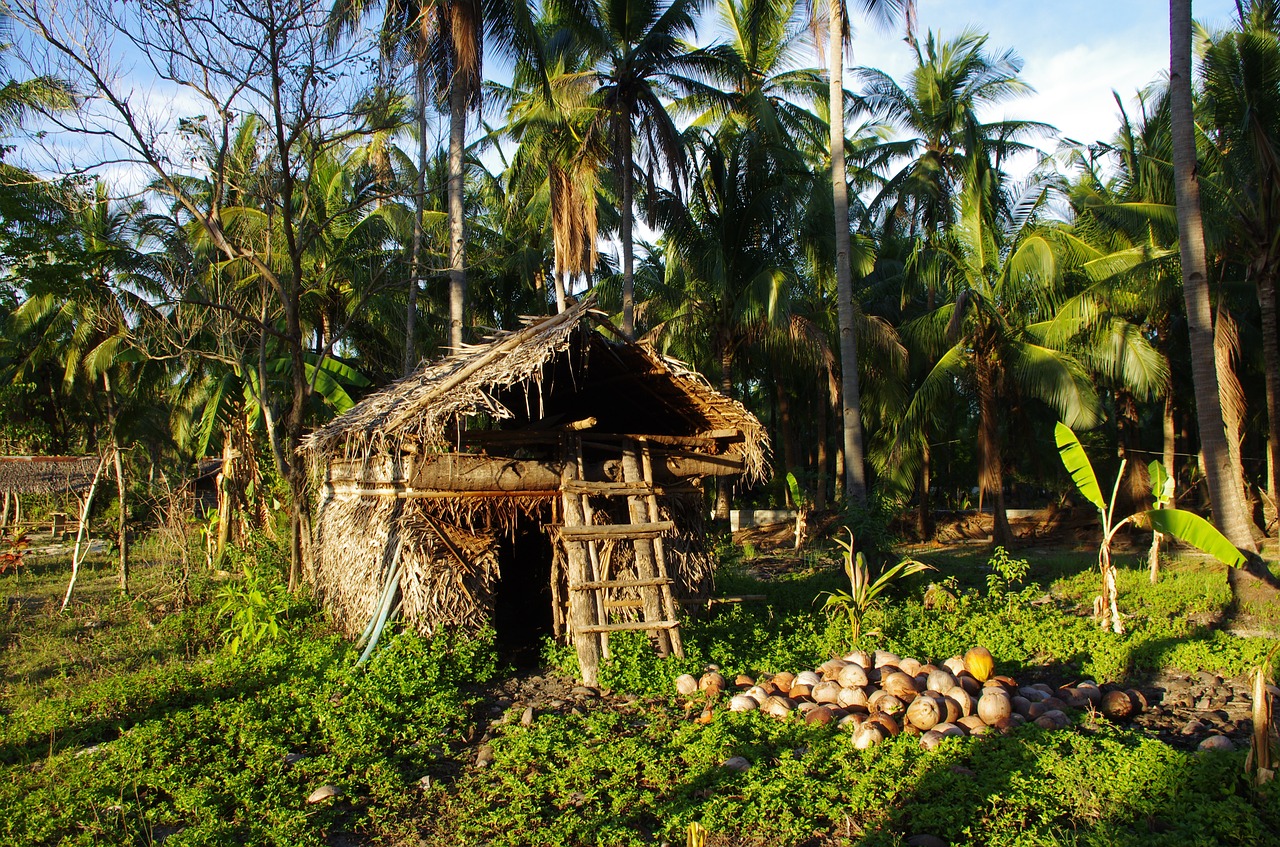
(128, 721)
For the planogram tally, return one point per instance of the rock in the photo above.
(1216, 743)
(1192, 727)
(289, 758)
(584, 691)
(324, 792)
(484, 756)
(526, 718)
(737, 764)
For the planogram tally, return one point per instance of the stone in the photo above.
(737, 764)
(526, 718)
(324, 792)
(1216, 743)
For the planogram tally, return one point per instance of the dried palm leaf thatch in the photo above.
(449, 574)
(47, 474)
(357, 542)
(422, 412)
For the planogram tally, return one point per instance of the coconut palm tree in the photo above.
(640, 55)
(1227, 498)
(729, 257)
(937, 110)
(997, 339)
(555, 116)
(1241, 103)
(838, 36)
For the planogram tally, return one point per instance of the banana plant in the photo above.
(863, 592)
(1185, 526)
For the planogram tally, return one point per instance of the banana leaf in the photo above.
(1077, 464)
(1196, 531)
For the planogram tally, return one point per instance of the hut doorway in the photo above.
(522, 601)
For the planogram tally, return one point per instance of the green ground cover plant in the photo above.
(131, 721)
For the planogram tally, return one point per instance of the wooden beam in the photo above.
(633, 625)
(623, 583)
(465, 472)
(623, 531)
(403, 493)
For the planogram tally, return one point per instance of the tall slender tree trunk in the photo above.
(990, 464)
(820, 487)
(851, 411)
(924, 511)
(724, 484)
(419, 206)
(457, 232)
(1271, 360)
(786, 432)
(122, 521)
(628, 248)
(1227, 500)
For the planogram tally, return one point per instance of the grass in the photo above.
(127, 721)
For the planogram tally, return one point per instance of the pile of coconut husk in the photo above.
(880, 695)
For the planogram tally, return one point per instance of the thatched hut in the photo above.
(47, 474)
(547, 481)
(44, 475)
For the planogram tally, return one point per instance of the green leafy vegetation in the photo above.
(132, 721)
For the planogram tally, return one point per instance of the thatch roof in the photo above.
(510, 378)
(47, 474)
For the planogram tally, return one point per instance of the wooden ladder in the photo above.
(588, 547)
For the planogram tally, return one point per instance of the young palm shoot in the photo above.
(862, 593)
(1182, 525)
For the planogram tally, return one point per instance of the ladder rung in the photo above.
(624, 531)
(623, 604)
(611, 489)
(630, 625)
(623, 583)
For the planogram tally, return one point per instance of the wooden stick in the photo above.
(582, 610)
(646, 564)
(619, 531)
(76, 560)
(659, 553)
(661, 627)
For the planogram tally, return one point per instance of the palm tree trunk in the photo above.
(924, 516)
(724, 484)
(990, 466)
(419, 206)
(851, 411)
(628, 248)
(820, 487)
(1228, 507)
(786, 432)
(457, 232)
(1271, 360)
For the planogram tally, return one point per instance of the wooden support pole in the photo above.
(646, 567)
(582, 609)
(659, 552)
(593, 557)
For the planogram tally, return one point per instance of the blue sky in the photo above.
(1075, 53)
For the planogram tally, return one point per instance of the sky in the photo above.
(1075, 53)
